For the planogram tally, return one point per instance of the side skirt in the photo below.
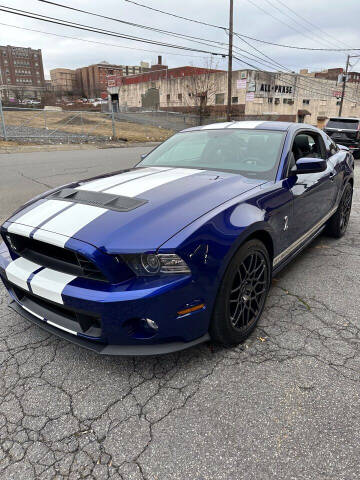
(280, 266)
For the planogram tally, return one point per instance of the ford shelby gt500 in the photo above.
(181, 248)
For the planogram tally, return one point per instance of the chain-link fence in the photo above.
(140, 125)
(57, 126)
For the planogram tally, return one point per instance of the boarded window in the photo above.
(220, 98)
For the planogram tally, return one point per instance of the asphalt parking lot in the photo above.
(284, 405)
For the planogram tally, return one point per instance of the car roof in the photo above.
(357, 119)
(257, 125)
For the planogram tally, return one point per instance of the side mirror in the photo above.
(342, 147)
(309, 165)
(143, 155)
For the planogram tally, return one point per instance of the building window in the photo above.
(306, 102)
(180, 97)
(219, 99)
(270, 99)
(235, 100)
(168, 97)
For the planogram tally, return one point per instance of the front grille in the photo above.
(54, 257)
(76, 320)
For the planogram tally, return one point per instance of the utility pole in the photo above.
(344, 85)
(2, 119)
(231, 22)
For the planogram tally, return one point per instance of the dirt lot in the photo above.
(282, 406)
(84, 123)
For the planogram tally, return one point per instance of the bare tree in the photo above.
(200, 91)
(20, 94)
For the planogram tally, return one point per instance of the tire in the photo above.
(338, 223)
(242, 294)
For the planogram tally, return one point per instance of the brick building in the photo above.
(63, 81)
(333, 74)
(21, 73)
(92, 81)
(141, 90)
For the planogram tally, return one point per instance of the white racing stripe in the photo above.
(32, 313)
(48, 321)
(105, 183)
(71, 221)
(20, 229)
(51, 237)
(59, 228)
(248, 124)
(50, 284)
(40, 213)
(216, 126)
(61, 327)
(19, 271)
(138, 187)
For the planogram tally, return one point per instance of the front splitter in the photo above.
(101, 349)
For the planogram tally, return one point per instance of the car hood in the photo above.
(130, 211)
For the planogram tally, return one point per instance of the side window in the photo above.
(330, 145)
(308, 144)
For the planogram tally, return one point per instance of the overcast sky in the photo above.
(332, 24)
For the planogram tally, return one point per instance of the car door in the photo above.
(314, 194)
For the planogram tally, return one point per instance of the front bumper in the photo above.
(116, 308)
(121, 350)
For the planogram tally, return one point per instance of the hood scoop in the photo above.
(98, 199)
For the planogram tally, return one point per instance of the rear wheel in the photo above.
(242, 294)
(339, 221)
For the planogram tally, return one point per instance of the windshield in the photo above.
(350, 124)
(252, 153)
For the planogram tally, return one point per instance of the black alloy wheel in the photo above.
(345, 209)
(338, 223)
(242, 294)
(248, 292)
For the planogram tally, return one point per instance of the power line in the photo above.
(100, 43)
(277, 64)
(174, 15)
(312, 37)
(310, 23)
(67, 23)
(152, 28)
(242, 35)
(132, 24)
(264, 10)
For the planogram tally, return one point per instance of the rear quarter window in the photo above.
(348, 124)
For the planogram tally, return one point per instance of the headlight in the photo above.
(154, 264)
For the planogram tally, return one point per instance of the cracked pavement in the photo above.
(283, 405)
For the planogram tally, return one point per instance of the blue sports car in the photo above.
(180, 249)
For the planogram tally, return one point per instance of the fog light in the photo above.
(151, 324)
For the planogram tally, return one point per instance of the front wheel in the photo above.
(242, 294)
(339, 221)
